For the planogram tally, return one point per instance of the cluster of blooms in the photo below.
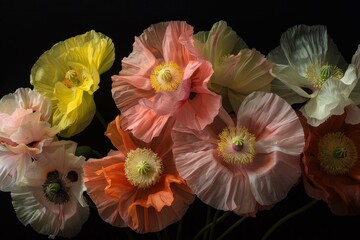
(200, 115)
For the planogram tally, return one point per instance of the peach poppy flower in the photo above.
(164, 77)
(137, 185)
(243, 164)
(50, 196)
(331, 163)
(24, 131)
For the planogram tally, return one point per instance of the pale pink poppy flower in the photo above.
(50, 196)
(164, 77)
(246, 163)
(24, 130)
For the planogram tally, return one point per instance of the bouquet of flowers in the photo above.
(200, 115)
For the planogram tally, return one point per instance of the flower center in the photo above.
(55, 189)
(72, 78)
(142, 167)
(166, 77)
(318, 74)
(237, 145)
(337, 153)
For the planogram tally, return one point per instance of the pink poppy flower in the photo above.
(50, 196)
(331, 163)
(24, 131)
(246, 163)
(164, 77)
(137, 185)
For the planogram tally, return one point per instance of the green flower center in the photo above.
(318, 74)
(142, 167)
(237, 145)
(55, 189)
(337, 153)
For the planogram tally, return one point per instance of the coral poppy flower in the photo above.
(137, 185)
(238, 70)
(309, 69)
(50, 196)
(331, 163)
(246, 163)
(24, 131)
(69, 74)
(164, 78)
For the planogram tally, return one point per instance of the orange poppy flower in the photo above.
(138, 185)
(331, 163)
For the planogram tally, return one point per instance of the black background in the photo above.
(29, 28)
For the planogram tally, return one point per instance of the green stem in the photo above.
(287, 217)
(208, 217)
(101, 119)
(231, 228)
(164, 234)
(179, 229)
(97, 153)
(212, 229)
(219, 220)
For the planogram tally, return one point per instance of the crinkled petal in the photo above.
(220, 41)
(279, 143)
(272, 175)
(26, 98)
(332, 98)
(305, 45)
(45, 221)
(292, 80)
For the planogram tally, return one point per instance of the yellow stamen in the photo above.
(337, 153)
(237, 145)
(318, 74)
(72, 78)
(166, 77)
(142, 167)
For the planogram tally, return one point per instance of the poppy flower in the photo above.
(24, 131)
(243, 163)
(331, 163)
(310, 70)
(238, 70)
(50, 196)
(164, 78)
(69, 74)
(137, 185)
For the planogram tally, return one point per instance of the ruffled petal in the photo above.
(332, 98)
(279, 143)
(220, 41)
(272, 175)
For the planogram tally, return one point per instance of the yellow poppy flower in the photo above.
(69, 74)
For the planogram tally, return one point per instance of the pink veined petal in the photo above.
(213, 182)
(199, 111)
(126, 95)
(272, 175)
(279, 143)
(173, 50)
(269, 117)
(144, 123)
(139, 63)
(26, 98)
(9, 166)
